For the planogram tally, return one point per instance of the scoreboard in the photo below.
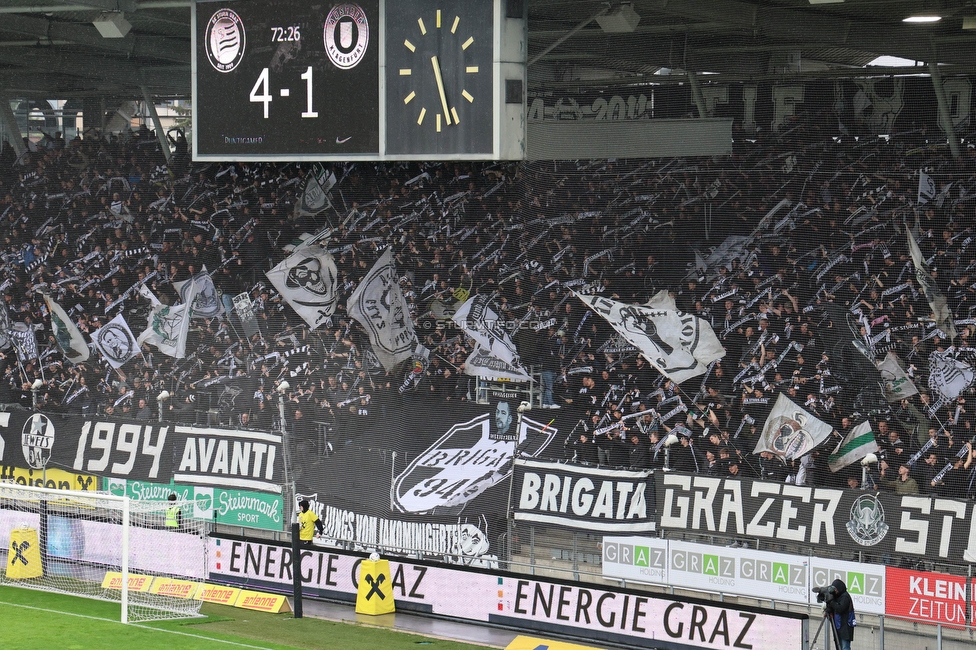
(362, 80)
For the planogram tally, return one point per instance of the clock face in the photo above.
(439, 77)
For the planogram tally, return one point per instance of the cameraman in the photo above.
(839, 606)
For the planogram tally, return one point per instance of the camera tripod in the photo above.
(823, 621)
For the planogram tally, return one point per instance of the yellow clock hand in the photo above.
(440, 88)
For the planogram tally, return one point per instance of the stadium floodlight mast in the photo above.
(104, 546)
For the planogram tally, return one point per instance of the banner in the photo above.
(201, 456)
(24, 341)
(206, 302)
(5, 326)
(583, 497)
(220, 505)
(928, 597)
(672, 341)
(898, 385)
(740, 571)
(306, 279)
(480, 322)
(845, 521)
(619, 616)
(857, 444)
(482, 363)
(244, 309)
(66, 333)
(949, 376)
(116, 342)
(931, 291)
(926, 188)
(790, 432)
(314, 196)
(168, 326)
(379, 306)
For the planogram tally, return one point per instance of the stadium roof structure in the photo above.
(52, 48)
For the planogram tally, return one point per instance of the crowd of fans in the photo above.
(815, 220)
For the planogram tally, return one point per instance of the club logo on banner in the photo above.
(37, 440)
(588, 498)
(867, 525)
(467, 460)
(116, 342)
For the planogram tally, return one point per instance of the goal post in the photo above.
(106, 547)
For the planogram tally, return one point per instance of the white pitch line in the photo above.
(145, 627)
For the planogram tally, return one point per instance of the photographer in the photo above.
(839, 607)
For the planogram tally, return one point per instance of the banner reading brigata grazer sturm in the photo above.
(583, 497)
(841, 520)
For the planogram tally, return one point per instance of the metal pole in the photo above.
(296, 569)
(160, 134)
(881, 620)
(565, 37)
(944, 113)
(289, 491)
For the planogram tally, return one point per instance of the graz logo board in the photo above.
(865, 582)
(885, 524)
(465, 462)
(584, 497)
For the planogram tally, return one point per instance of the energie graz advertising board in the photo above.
(522, 602)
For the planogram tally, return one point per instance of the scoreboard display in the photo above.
(363, 80)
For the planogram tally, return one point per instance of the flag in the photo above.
(856, 445)
(66, 333)
(926, 188)
(940, 308)
(482, 363)
(790, 432)
(315, 198)
(480, 322)
(948, 376)
(679, 345)
(4, 326)
(206, 304)
(379, 306)
(23, 339)
(307, 280)
(168, 327)
(244, 308)
(897, 384)
(147, 293)
(116, 342)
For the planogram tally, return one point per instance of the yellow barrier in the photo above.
(218, 594)
(137, 582)
(262, 602)
(173, 587)
(24, 555)
(375, 595)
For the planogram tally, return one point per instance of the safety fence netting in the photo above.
(438, 335)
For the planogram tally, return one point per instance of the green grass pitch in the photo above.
(32, 619)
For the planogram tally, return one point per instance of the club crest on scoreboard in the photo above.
(225, 40)
(346, 35)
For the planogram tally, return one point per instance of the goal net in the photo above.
(105, 547)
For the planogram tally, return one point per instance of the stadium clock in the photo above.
(439, 77)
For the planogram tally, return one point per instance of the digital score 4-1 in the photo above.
(292, 79)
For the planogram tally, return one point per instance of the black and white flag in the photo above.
(480, 322)
(926, 188)
(315, 194)
(306, 279)
(379, 306)
(679, 345)
(206, 303)
(4, 326)
(23, 339)
(66, 333)
(116, 342)
(949, 376)
(940, 308)
(482, 363)
(790, 432)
